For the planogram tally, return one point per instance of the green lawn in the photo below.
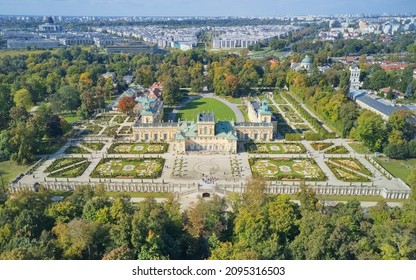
(50, 147)
(243, 110)
(399, 168)
(235, 100)
(71, 118)
(221, 111)
(358, 148)
(9, 170)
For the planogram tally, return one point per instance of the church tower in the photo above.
(354, 77)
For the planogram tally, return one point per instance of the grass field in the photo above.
(399, 168)
(235, 100)
(358, 148)
(71, 118)
(9, 170)
(243, 110)
(220, 110)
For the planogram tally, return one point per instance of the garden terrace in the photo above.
(352, 164)
(63, 162)
(103, 119)
(71, 171)
(346, 175)
(119, 119)
(319, 146)
(143, 168)
(138, 148)
(76, 150)
(337, 150)
(275, 148)
(286, 169)
(313, 121)
(96, 146)
(278, 99)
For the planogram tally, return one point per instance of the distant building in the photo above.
(132, 48)
(228, 43)
(375, 104)
(49, 26)
(32, 43)
(306, 64)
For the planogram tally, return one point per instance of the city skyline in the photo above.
(203, 8)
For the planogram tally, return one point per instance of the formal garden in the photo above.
(96, 146)
(339, 150)
(286, 169)
(76, 150)
(143, 168)
(63, 162)
(138, 148)
(346, 175)
(67, 167)
(319, 146)
(275, 148)
(351, 164)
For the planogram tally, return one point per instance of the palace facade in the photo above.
(204, 134)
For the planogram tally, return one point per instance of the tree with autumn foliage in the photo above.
(126, 104)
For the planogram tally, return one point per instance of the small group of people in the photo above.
(209, 179)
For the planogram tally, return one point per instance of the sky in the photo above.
(203, 7)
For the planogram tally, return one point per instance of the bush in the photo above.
(293, 137)
(311, 136)
(397, 151)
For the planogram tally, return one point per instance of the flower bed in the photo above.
(96, 146)
(337, 150)
(71, 172)
(321, 145)
(144, 168)
(275, 148)
(119, 119)
(352, 163)
(286, 169)
(62, 162)
(346, 175)
(138, 148)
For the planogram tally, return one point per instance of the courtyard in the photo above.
(220, 110)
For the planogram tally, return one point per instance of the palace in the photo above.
(204, 134)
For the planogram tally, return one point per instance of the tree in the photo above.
(80, 239)
(348, 114)
(5, 105)
(22, 98)
(53, 127)
(171, 92)
(410, 90)
(231, 85)
(400, 121)
(69, 98)
(371, 130)
(126, 104)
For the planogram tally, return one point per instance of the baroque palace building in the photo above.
(204, 134)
